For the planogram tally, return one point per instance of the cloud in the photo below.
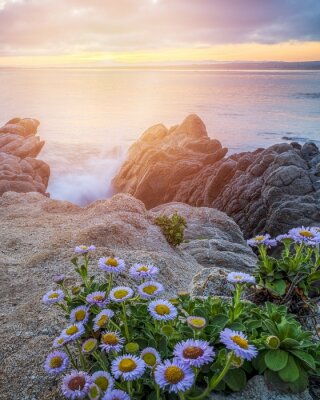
(49, 27)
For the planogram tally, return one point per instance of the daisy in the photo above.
(194, 352)
(73, 332)
(53, 296)
(238, 342)
(121, 293)
(112, 265)
(79, 315)
(162, 310)
(143, 271)
(59, 279)
(97, 298)
(175, 376)
(128, 367)
(84, 249)
(89, 345)
(94, 392)
(56, 362)
(76, 385)
(103, 380)
(150, 356)
(116, 394)
(196, 322)
(150, 289)
(59, 341)
(111, 341)
(240, 277)
(262, 240)
(101, 319)
(307, 235)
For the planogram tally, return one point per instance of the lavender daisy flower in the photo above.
(128, 367)
(150, 289)
(97, 298)
(175, 376)
(89, 345)
(101, 319)
(79, 315)
(84, 249)
(309, 236)
(143, 271)
(76, 385)
(59, 341)
(262, 240)
(94, 392)
(285, 236)
(56, 362)
(196, 322)
(112, 265)
(194, 352)
(116, 394)
(121, 293)
(103, 380)
(111, 341)
(59, 279)
(240, 277)
(150, 356)
(238, 342)
(53, 296)
(162, 310)
(73, 332)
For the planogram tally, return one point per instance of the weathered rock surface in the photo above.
(270, 189)
(20, 171)
(37, 236)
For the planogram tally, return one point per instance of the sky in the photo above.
(151, 32)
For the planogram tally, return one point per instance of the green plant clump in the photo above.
(172, 227)
(128, 343)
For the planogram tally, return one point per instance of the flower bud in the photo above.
(89, 345)
(167, 330)
(236, 361)
(196, 322)
(273, 342)
(132, 347)
(58, 279)
(76, 290)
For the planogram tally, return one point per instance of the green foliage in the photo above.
(172, 227)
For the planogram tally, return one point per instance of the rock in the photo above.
(37, 237)
(257, 389)
(268, 190)
(20, 171)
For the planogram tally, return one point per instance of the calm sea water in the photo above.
(89, 117)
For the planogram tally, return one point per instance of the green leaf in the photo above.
(259, 363)
(301, 383)
(306, 358)
(278, 286)
(236, 379)
(315, 276)
(219, 320)
(289, 343)
(276, 359)
(290, 372)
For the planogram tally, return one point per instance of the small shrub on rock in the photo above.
(172, 227)
(123, 342)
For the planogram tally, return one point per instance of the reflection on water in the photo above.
(86, 114)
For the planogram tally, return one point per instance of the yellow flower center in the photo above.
(306, 234)
(102, 320)
(98, 297)
(143, 268)
(56, 362)
(80, 315)
(162, 309)
(192, 352)
(243, 343)
(112, 262)
(53, 296)
(120, 294)
(110, 338)
(94, 392)
(238, 277)
(72, 330)
(259, 238)
(102, 382)
(89, 345)
(84, 247)
(174, 374)
(149, 289)
(149, 359)
(60, 341)
(197, 322)
(127, 365)
(77, 383)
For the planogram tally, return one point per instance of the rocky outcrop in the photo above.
(37, 236)
(20, 171)
(269, 190)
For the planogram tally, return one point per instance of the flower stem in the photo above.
(125, 322)
(158, 392)
(110, 284)
(74, 364)
(129, 388)
(82, 359)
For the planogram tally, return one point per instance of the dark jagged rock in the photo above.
(20, 171)
(269, 189)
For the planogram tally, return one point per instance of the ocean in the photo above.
(89, 117)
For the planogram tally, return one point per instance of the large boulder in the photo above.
(20, 171)
(271, 189)
(37, 237)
